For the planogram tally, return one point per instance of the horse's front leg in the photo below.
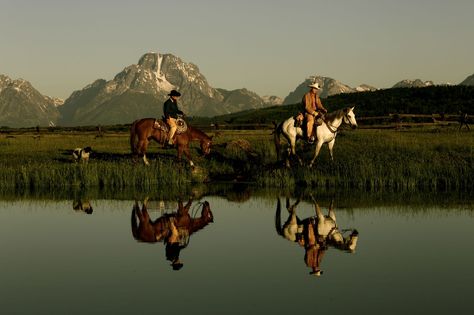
(145, 160)
(188, 156)
(180, 152)
(316, 153)
(142, 146)
(330, 146)
(299, 159)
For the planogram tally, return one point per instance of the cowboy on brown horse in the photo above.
(171, 112)
(313, 110)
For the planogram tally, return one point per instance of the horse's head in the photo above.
(349, 117)
(206, 145)
(206, 212)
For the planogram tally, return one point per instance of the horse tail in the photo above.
(278, 218)
(276, 137)
(133, 136)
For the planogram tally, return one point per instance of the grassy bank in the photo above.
(421, 159)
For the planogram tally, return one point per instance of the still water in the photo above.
(410, 258)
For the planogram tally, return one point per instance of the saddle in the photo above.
(301, 122)
(162, 125)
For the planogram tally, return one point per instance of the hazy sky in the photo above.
(266, 46)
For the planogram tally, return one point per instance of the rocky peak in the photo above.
(22, 105)
(140, 89)
(412, 83)
(149, 61)
(18, 86)
(56, 101)
(329, 87)
(365, 88)
(272, 100)
(4, 81)
(468, 81)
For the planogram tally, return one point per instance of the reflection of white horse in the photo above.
(325, 133)
(326, 228)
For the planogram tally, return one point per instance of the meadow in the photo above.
(425, 159)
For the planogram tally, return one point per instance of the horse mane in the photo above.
(197, 224)
(336, 114)
(198, 133)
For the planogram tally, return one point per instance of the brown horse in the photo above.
(173, 229)
(146, 230)
(143, 130)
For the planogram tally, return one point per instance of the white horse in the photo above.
(325, 133)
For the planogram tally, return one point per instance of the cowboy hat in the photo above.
(314, 85)
(174, 93)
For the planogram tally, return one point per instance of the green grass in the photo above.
(418, 159)
(397, 160)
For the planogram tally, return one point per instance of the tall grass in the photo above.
(395, 160)
(364, 159)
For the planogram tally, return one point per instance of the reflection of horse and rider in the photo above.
(314, 233)
(174, 229)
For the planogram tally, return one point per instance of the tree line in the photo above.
(427, 100)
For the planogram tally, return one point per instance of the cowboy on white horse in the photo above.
(313, 110)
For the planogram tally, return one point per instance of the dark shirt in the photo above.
(170, 109)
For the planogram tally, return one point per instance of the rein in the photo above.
(334, 129)
(334, 228)
(195, 209)
(331, 127)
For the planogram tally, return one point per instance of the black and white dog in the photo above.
(81, 154)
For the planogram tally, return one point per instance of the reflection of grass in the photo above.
(364, 159)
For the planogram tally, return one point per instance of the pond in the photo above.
(99, 256)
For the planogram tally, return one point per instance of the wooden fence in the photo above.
(391, 121)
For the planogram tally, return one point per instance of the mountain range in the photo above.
(413, 84)
(22, 105)
(139, 90)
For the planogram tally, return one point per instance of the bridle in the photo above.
(346, 116)
(344, 119)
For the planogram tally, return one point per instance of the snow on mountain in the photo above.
(140, 90)
(21, 105)
(413, 83)
(365, 88)
(328, 86)
(272, 100)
